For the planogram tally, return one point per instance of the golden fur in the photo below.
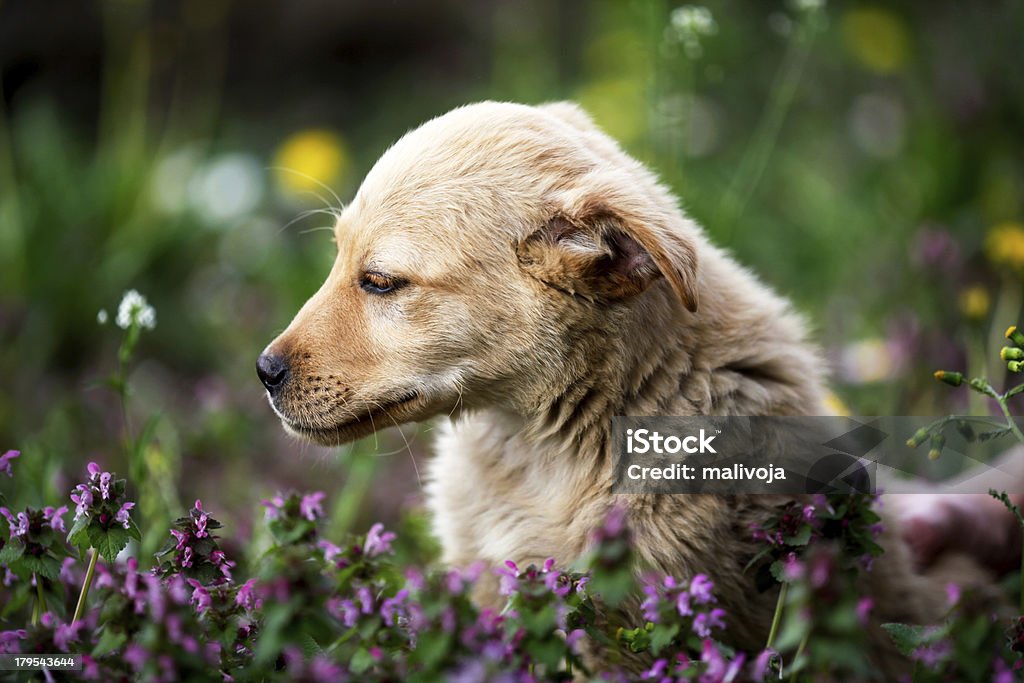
(546, 282)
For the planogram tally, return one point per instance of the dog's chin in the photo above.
(410, 408)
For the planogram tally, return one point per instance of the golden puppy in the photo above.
(512, 267)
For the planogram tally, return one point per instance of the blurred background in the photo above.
(866, 158)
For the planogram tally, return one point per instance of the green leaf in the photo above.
(133, 530)
(109, 641)
(108, 542)
(361, 661)
(908, 637)
(11, 552)
(43, 565)
(801, 537)
(662, 635)
(77, 535)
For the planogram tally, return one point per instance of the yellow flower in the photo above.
(835, 405)
(1005, 244)
(876, 38)
(310, 157)
(975, 302)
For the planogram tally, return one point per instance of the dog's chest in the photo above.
(495, 498)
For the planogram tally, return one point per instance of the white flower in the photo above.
(686, 26)
(135, 309)
(693, 20)
(808, 5)
(102, 316)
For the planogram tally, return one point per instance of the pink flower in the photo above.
(274, 506)
(200, 596)
(201, 520)
(311, 507)
(105, 485)
(182, 538)
(82, 500)
(247, 597)
(5, 462)
(55, 517)
(378, 541)
(701, 587)
(704, 622)
(952, 593)
(122, 515)
(864, 606)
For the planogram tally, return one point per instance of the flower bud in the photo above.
(953, 379)
(919, 437)
(938, 441)
(1015, 366)
(1011, 353)
(1015, 335)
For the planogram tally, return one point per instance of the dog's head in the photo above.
(476, 250)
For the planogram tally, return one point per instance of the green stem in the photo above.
(1001, 400)
(779, 605)
(41, 599)
(799, 652)
(85, 585)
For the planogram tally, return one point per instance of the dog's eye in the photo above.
(379, 283)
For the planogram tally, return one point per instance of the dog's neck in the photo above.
(743, 353)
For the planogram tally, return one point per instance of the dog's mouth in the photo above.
(387, 413)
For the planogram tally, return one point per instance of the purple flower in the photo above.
(5, 462)
(763, 664)
(200, 596)
(200, 519)
(808, 513)
(704, 622)
(9, 640)
(700, 588)
(331, 551)
(18, 524)
(65, 570)
(247, 597)
(186, 558)
(274, 507)
(344, 610)
(365, 598)
(936, 248)
(82, 500)
(55, 517)
(683, 604)
(66, 634)
(122, 515)
(508, 580)
(393, 607)
(792, 568)
(650, 603)
(934, 654)
(182, 538)
(311, 506)
(93, 470)
(13, 522)
(136, 656)
(718, 669)
(105, 485)
(864, 607)
(657, 670)
(378, 541)
(952, 593)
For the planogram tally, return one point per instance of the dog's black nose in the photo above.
(273, 371)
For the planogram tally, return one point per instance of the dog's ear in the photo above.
(599, 252)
